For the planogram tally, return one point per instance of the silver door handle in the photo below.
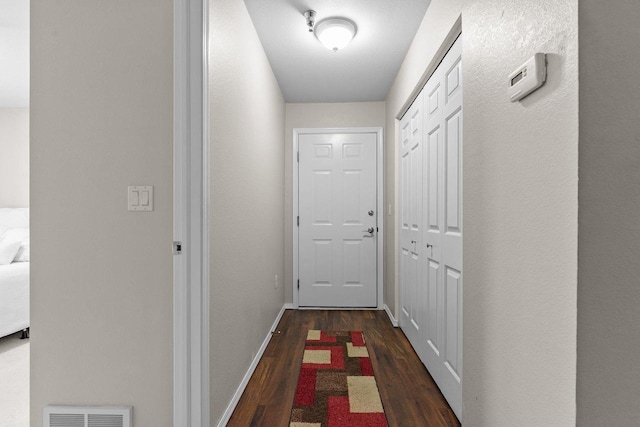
(369, 230)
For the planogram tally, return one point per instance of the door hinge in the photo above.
(377, 230)
(177, 248)
(298, 220)
(298, 156)
(298, 283)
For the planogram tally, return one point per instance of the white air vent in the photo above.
(88, 416)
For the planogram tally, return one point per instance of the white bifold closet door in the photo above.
(411, 247)
(431, 226)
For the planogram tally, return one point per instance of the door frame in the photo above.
(191, 383)
(379, 195)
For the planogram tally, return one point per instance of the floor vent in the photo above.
(88, 416)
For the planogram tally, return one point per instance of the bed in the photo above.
(14, 276)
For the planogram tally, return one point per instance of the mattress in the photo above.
(14, 297)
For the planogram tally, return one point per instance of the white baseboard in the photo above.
(339, 308)
(254, 364)
(394, 322)
(290, 306)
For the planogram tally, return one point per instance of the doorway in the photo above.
(337, 229)
(15, 265)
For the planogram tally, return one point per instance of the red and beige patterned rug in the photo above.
(336, 386)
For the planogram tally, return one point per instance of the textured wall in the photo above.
(14, 157)
(320, 115)
(247, 197)
(520, 216)
(101, 277)
(520, 206)
(609, 235)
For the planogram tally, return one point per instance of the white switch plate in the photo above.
(140, 197)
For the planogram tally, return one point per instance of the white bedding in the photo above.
(14, 297)
(14, 217)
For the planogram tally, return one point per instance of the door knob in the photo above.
(369, 230)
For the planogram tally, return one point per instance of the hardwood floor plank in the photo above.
(408, 393)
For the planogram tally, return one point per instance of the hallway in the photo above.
(409, 395)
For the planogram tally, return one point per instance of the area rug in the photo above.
(336, 386)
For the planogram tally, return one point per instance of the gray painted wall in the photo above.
(101, 276)
(520, 206)
(14, 157)
(319, 115)
(608, 386)
(247, 197)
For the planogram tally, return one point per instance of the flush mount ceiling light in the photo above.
(335, 33)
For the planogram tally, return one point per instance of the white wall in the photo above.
(14, 157)
(520, 206)
(247, 197)
(318, 115)
(101, 276)
(608, 386)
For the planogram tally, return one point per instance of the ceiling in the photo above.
(14, 53)
(362, 71)
(306, 70)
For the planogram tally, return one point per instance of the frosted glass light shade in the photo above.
(335, 33)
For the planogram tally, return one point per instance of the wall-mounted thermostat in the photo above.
(528, 77)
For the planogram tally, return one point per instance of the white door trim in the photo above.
(446, 44)
(380, 206)
(190, 215)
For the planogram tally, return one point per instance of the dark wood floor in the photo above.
(409, 395)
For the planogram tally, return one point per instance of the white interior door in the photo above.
(437, 333)
(337, 205)
(443, 225)
(412, 313)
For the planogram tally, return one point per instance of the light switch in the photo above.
(140, 197)
(144, 198)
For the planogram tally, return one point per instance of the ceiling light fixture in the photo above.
(335, 33)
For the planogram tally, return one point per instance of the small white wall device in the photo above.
(528, 77)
